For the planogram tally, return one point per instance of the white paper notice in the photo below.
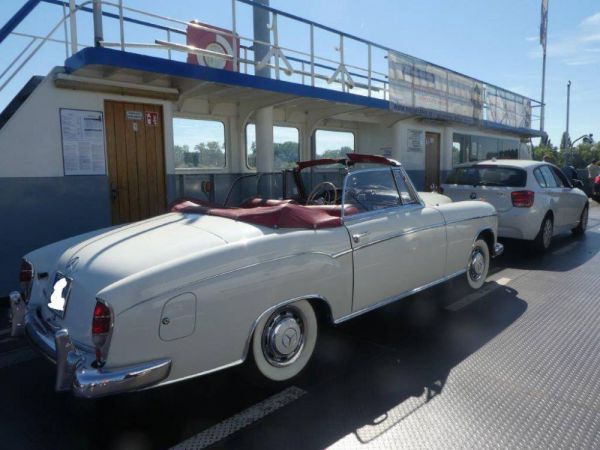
(83, 142)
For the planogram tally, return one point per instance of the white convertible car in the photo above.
(208, 287)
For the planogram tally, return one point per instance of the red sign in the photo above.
(151, 118)
(214, 41)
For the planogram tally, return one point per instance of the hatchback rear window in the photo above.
(488, 176)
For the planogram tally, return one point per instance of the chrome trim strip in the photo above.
(393, 299)
(199, 374)
(403, 233)
(229, 272)
(470, 218)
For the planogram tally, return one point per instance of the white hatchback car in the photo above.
(535, 200)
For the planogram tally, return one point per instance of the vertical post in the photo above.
(98, 34)
(275, 44)
(343, 71)
(543, 108)
(122, 25)
(73, 25)
(312, 55)
(64, 8)
(568, 105)
(169, 40)
(236, 67)
(262, 34)
(369, 67)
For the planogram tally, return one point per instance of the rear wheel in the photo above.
(583, 221)
(284, 341)
(478, 264)
(543, 239)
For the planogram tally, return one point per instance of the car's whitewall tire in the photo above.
(478, 264)
(284, 341)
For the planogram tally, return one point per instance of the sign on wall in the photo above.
(82, 142)
(416, 141)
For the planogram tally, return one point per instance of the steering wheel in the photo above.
(320, 187)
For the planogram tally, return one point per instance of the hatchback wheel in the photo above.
(543, 240)
(284, 341)
(583, 222)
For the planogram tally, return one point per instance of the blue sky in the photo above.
(493, 40)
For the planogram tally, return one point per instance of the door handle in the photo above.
(356, 237)
(114, 192)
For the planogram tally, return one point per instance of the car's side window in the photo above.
(540, 178)
(549, 177)
(407, 195)
(561, 178)
(371, 190)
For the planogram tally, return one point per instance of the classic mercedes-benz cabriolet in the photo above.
(207, 287)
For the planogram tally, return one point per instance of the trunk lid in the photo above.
(97, 262)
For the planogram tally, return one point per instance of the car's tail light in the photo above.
(26, 278)
(597, 180)
(522, 199)
(101, 329)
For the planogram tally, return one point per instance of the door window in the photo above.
(371, 190)
(561, 178)
(549, 177)
(407, 194)
(540, 178)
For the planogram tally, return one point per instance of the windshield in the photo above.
(488, 176)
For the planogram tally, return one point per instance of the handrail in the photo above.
(17, 18)
(335, 71)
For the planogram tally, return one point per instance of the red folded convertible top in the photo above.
(281, 215)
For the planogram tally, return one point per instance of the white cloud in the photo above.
(532, 38)
(573, 47)
(594, 19)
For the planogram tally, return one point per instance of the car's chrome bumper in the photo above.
(498, 249)
(75, 369)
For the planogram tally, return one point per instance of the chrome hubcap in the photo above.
(476, 265)
(283, 337)
(547, 233)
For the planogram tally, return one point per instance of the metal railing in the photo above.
(313, 66)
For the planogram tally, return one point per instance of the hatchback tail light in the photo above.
(26, 278)
(522, 199)
(101, 329)
(597, 180)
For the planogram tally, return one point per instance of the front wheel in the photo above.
(478, 265)
(583, 221)
(284, 341)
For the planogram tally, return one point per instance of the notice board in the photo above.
(82, 142)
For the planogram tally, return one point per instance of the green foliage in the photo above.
(582, 154)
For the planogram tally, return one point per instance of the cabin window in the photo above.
(286, 146)
(468, 148)
(333, 144)
(198, 144)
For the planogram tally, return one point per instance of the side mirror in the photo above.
(577, 183)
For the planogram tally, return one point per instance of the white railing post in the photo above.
(234, 32)
(73, 25)
(276, 44)
(169, 40)
(312, 55)
(64, 10)
(121, 25)
(342, 72)
(369, 69)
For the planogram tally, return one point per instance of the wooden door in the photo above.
(136, 160)
(432, 160)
